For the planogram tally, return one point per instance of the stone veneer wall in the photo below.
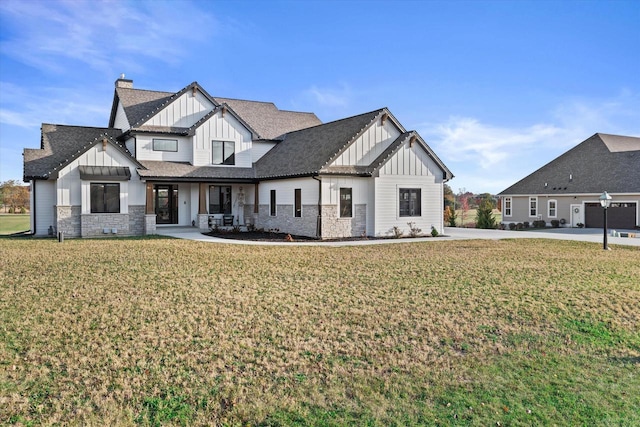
(334, 227)
(68, 220)
(136, 220)
(285, 222)
(93, 224)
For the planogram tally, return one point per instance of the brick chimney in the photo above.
(125, 83)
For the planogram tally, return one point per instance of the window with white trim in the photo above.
(507, 206)
(533, 206)
(165, 144)
(410, 202)
(552, 208)
(223, 153)
(105, 198)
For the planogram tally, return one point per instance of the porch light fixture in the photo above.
(605, 201)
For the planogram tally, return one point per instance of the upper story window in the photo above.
(507, 206)
(410, 204)
(105, 198)
(223, 152)
(533, 206)
(165, 145)
(346, 203)
(552, 209)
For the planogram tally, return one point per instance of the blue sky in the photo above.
(496, 88)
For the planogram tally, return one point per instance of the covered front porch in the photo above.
(205, 205)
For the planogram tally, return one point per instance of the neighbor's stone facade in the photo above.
(334, 227)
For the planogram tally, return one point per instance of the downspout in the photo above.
(33, 208)
(319, 220)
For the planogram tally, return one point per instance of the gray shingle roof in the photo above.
(61, 144)
(138, 103)
(185, 171)
(267, 120)
(307, 151)
(601, 162)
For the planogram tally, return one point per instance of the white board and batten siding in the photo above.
(72, 191)
(182, 112)
(120, 121)
(144, 149)
(44, 206)
(219, 128)
(409, 168)
(368, 146)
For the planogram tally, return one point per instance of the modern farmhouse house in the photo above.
(567, 188)
(191, 159)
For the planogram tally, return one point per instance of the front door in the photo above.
(166, 204)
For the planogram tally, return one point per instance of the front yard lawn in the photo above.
(170, 332)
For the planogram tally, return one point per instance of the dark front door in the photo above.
(166, 204)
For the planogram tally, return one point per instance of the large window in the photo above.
(105, 198)
(165, 144)
(410, 202)
(297, 207)
(219, 199)
(507, 206)
(223, 152)
(533, 206)
(346, 203)
(552, 209)
(272, 203)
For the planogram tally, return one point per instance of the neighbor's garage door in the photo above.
(619, 215)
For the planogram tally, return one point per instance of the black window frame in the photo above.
(297, 203)
(103, 197)
(408, 206)
(153, 143)
(219, 194)
(221, 147)
(272, 203)
(346, 202)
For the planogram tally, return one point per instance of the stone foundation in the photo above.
(136, 220)
(68, 220)
(203, 222)
(285, 222)
(334, 227)
(94, 225)
(149, 224)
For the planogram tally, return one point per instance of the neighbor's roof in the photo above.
(600, 163)
(61, 144)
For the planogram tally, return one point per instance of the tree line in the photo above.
(457, 206)
(14, 197)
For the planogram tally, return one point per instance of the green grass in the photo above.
(168, 332)
(14, 223)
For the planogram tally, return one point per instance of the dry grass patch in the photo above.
(161, 331)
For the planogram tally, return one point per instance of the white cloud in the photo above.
(490, 157)
(106, 35)
(330, 97)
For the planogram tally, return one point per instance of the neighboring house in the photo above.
(191, 159)
(567, 188)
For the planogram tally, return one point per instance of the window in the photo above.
(507, 206)
(346, 203)
(105, 198)
(552, 211)
(165, 145)
(272, 203)
(410, 202)
(297, 207)
(219, 199)
(533, 206)
(223, 152)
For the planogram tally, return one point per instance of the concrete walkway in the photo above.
(594, 235)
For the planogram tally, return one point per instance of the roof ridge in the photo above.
(144, 90)
(79, 126)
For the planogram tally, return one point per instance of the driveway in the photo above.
(579, 234)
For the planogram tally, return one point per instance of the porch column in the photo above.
(149, 208)
(202, 200)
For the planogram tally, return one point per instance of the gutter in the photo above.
(319, 219)
(33, 209)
